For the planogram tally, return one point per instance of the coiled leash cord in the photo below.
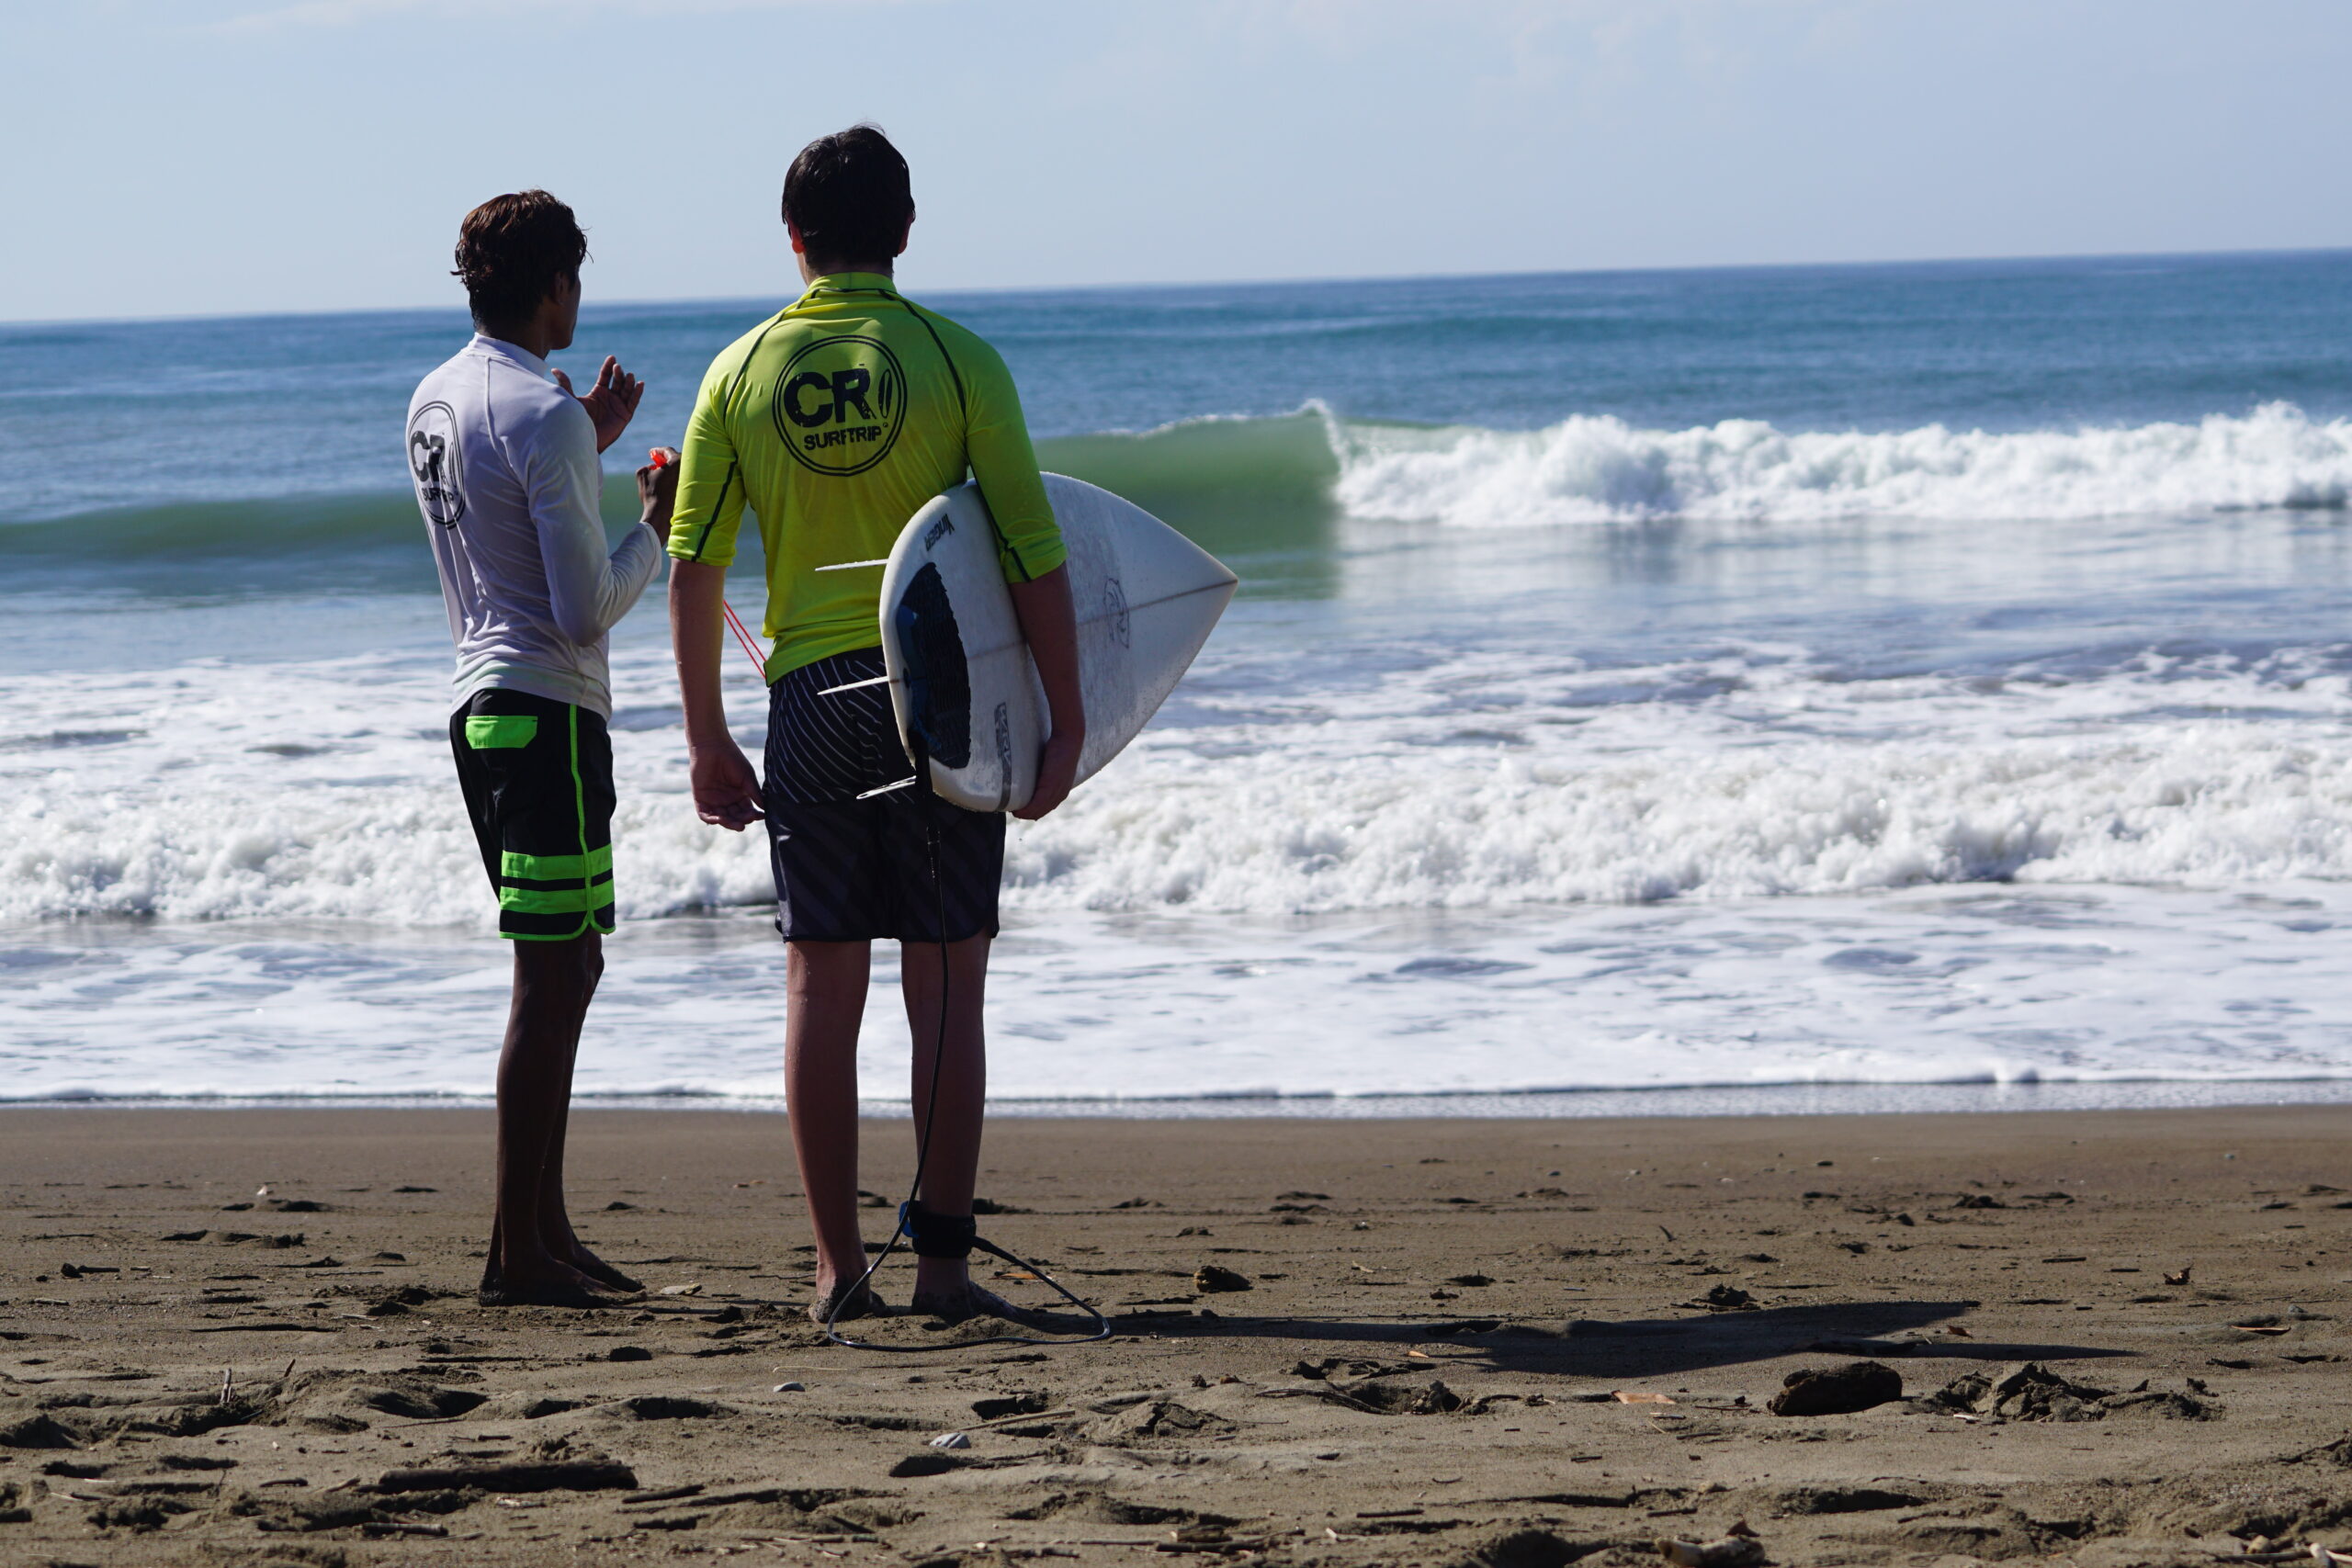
(945, 1235)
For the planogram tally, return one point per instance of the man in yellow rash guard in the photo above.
(835, 422)
(837, 419)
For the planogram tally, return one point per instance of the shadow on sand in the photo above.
(1636, 1347)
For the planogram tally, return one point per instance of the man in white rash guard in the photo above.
(507, 471)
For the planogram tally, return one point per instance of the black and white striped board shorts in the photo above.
(851, 870)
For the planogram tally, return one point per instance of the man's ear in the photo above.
(799, 245)
(903, 233)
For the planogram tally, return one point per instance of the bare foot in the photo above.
(601, 1272)
(574, 1252)
(546, 1283)
(969, 1302)
(845, 1302)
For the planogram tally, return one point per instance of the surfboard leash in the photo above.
(966, 1236)
(743, 635)
(660, 458)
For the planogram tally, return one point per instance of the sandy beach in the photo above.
(241, 1336)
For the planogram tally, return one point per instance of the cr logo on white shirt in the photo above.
(432, 440)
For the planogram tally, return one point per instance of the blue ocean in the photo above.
(1770, 688)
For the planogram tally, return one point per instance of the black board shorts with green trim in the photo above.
(538, 781)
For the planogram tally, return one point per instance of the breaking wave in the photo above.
(1237, 483)
(1599, 469)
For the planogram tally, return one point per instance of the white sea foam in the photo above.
(297, 791)
(1451, 781)
(1780, 782)
(1410, 867)
(1600, 469)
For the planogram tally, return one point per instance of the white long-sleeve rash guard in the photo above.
(505, 464)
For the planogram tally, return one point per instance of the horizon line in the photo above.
(1300, 281)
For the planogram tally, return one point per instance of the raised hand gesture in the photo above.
(612, 402)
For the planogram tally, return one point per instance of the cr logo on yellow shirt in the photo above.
(839, 404)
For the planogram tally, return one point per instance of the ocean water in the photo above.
(1691, 683)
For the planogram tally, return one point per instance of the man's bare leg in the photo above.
(825, 984)
(555, 1216)
(553, 984)
(951, 1169)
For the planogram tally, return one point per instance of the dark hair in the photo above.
(511, 250)
(849, 196)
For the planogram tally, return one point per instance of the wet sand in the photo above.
(1425, 1368)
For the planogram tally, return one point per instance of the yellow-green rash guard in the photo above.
(835, 421)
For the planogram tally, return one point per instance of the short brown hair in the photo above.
(849, 196)
(511, 250)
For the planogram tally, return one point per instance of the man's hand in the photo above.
(1057, 769)
(657, 488)
(612, 402)
(1048, 622)
(726, 792)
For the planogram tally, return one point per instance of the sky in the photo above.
(183, 157)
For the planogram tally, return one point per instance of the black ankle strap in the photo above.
(938, 1236)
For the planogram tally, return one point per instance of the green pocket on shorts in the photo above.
(501, 732)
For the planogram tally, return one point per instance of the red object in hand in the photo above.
(659, 457)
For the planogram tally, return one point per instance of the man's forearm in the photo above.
(696, 634)
(1050, 628)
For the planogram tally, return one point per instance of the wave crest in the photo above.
(1252, 483)
(1596, 469)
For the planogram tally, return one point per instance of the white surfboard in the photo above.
(961, 680)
